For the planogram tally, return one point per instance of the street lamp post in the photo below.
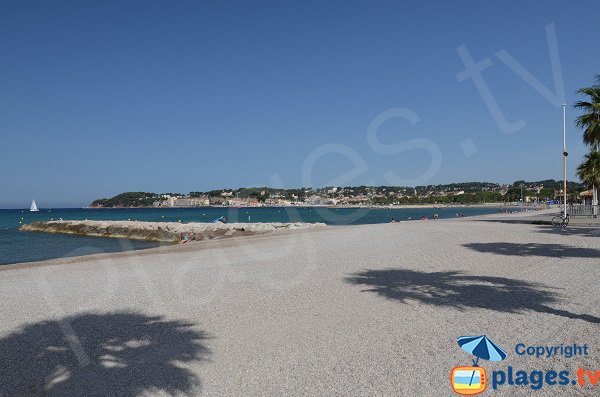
(565, 154)
(522, 201)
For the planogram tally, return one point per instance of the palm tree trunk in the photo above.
(595, 195)
(595, 200)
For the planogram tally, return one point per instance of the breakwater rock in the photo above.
(161, 231)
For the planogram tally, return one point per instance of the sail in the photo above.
(34, 207)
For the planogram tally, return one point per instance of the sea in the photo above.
(17, 246)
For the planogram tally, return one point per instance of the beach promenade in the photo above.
(371, 310)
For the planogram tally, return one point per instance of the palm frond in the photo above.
(589, 170)
(589, 120)
(583, 105)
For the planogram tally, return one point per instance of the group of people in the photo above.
(423, 218)
(435, 216)
(185, 237)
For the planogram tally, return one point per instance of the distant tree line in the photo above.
(453, 193)
(128, 199)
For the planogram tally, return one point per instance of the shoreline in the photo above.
(170, 247)
(237, 234)
(163, 249)
(398, 206)
(304, 206)
(198, 245)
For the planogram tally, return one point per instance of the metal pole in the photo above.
(565, 154)
(522, 201)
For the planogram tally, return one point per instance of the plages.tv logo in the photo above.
(471, 380)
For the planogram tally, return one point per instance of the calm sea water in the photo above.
(17, 246)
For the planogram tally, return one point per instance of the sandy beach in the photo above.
(354, 310)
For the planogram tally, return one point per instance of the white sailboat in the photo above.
(34, 207)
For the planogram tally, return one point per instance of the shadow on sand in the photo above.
(517, 221)
(116, 354)
(535, 249)
(571, 231)
(461, 291)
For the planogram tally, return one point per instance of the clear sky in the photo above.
(97, 98)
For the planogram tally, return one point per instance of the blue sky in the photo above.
(98, 98)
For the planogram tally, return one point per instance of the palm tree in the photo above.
(589, 121)
(589, 172)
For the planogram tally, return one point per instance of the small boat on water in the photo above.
(34, 207)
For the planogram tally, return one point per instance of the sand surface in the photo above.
(370, 310)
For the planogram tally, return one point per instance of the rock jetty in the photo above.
(161, 231)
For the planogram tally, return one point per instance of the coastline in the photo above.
(398, 206)
(21, 246)
(165, 249)
(247, 238)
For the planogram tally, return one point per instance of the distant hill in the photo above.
(128, 199)
(460, 192)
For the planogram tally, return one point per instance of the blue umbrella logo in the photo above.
(481, 347)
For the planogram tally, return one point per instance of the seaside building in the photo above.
(278, 202)
(586, 197)
(216, 200)
(247, 202)
(316, 200)
(188, 202)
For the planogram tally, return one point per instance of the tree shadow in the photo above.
(114, 354)
(571, 231)
(461, 291)
(535, 249)
(517, 221)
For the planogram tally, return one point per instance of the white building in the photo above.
(188, 202)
